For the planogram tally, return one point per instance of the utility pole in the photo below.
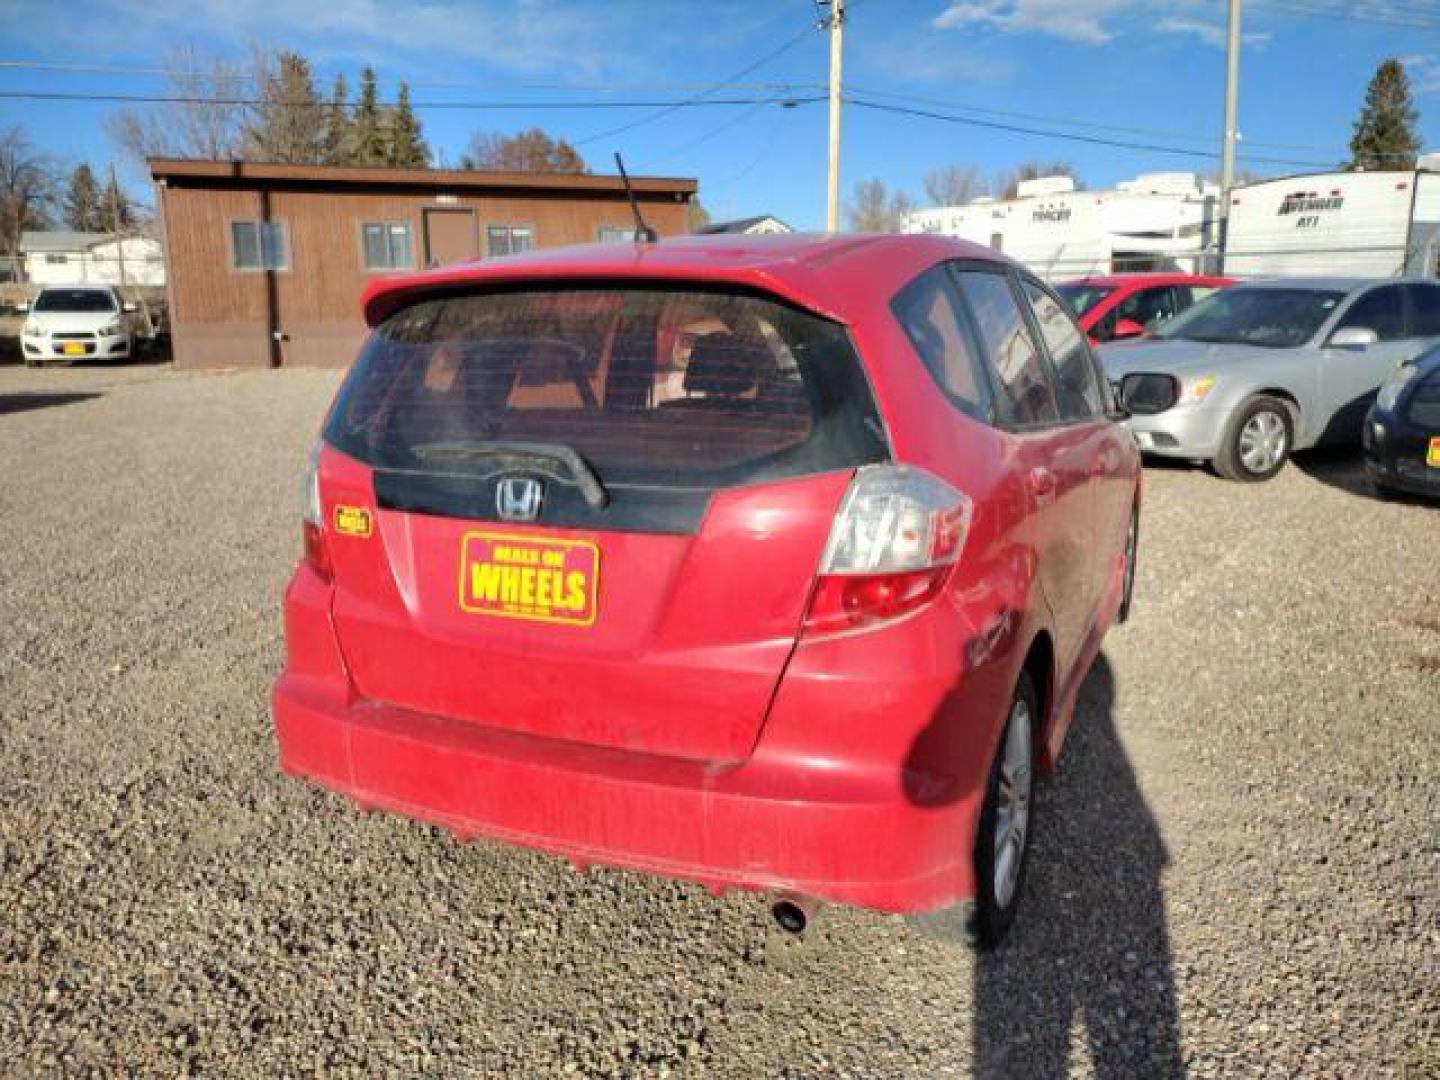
(837, 31)
(1232, 108)
(116, 224)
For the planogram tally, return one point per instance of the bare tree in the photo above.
(874, 208)
(28, 186)
(1007, 184)
(955, 185)
(205, 119)
(525, 151)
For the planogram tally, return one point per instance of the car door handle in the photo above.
(1042, 483)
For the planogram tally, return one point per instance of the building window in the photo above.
(56, 260)
(259, 245)
(508, 239)
(387, 245)
(617, 234)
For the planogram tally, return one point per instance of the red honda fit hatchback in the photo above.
(772, 563)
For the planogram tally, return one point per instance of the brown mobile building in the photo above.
(266, 263)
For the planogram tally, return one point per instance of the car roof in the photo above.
(1157, 277)
(828, 274)
(1334, 284)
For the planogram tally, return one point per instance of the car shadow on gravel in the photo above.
(16, 403)
(1343, 467)
(1089, 949)
(1087, 965)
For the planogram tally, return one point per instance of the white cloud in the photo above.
(1208, 33)
(564, 40)
(1085, 21)
(1424, 72)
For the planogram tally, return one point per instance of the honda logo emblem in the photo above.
(518, 498)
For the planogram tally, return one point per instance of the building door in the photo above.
(450, 236)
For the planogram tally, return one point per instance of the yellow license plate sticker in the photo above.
(528, 577)
(74, 348)
(353, 521)
(1432, 456)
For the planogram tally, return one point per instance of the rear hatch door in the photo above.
(594, 513)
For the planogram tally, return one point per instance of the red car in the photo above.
(1112, 307)
(763, 562)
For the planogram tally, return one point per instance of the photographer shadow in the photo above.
(1087, 963)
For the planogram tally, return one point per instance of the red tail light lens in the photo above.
(317, 554)
(892, 547)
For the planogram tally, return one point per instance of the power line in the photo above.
(702, 96)
(1094, 140)
(240, 102)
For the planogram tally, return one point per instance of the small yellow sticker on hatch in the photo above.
(352, 520)
(1432, 457)
(526, 577)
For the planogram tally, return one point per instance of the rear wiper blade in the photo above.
(522, 455)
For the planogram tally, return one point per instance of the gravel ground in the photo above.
(1235, 870)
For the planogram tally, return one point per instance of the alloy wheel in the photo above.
(1012, 818)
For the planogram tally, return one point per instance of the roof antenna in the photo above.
(643, 233)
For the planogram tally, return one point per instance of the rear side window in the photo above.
(1081, 397)
(653, 387)
(1148, 306)
(1020, 376)
(1424, 310)
(1379, 310)
(1425, 402)
(927, 311)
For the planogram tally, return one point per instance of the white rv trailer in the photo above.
(1159, 221)
(1353, 224)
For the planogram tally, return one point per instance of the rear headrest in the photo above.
(722, 365)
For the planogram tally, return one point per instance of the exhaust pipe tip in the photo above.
(792, 914)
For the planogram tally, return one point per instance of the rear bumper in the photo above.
(741, 827)
(864, 787)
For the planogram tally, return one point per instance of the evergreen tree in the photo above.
(337, 140)
(369, 143)
(289, 124)
(1385, 136)
(81, 210)
(407, 149)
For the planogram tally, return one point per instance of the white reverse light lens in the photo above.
(310, 492)
(896, 518)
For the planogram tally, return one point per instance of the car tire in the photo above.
(1001, 852)
(1132, 555)
(1257, 441)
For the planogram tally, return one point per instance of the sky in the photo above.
(726, 84)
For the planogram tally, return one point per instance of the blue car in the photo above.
(1402, 431)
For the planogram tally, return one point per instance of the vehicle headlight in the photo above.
(32, 330)
(1193, 391)
(1390, 391)
(111, 329)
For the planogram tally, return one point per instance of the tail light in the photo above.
(899, 532)
(312, 517)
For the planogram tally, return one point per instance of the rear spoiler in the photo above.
(384, 297)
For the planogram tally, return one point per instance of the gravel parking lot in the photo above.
(1235, 870)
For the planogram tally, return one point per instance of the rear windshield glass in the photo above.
(75, 300)
(649, 385)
